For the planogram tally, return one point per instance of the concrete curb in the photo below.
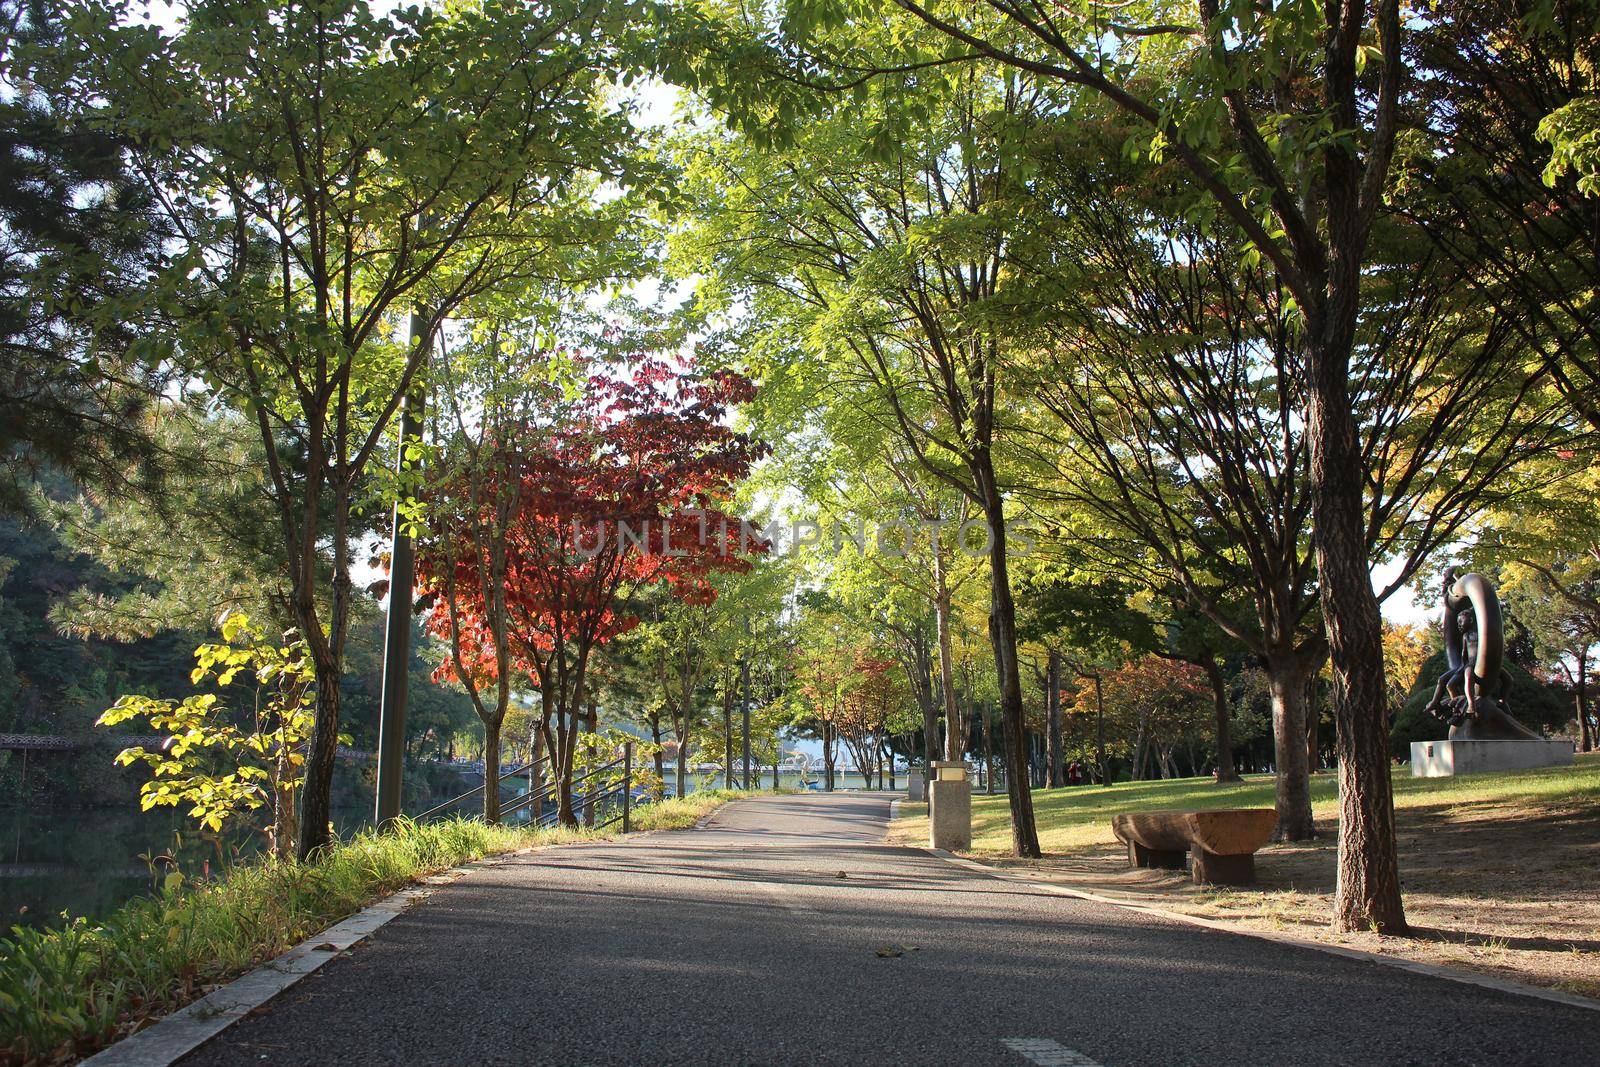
(1450, 974)
(174, 1036)
(180, 1033)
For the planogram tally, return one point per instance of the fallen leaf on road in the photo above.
(841, 874)
(326, 946)
(891, 951)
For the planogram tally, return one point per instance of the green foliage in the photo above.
(77, 387)
(1573, 133)
(222, 769)
(85, 984)
(595, 750)
(206, 544)
(55, 683)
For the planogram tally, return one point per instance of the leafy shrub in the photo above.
(76, 988)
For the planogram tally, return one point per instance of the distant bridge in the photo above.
(59, 743)
(62, 743)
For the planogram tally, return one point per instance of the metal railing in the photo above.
(596, 800)
(526, 768)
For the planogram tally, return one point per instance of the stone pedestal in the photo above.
(1443, 759)
(950, 807)
(916, 787)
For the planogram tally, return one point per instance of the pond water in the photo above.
(75, 862)
(86, 863)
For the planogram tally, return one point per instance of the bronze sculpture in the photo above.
(1471, 694)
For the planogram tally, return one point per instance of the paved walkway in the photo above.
(786, 932)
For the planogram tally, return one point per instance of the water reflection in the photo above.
(88, 862)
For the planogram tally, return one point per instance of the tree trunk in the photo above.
(561, 764)
(1003, 635)
(1367, 890)
(1138, 749)
(827, 756)
(660, 756)
(535, 776)
(591, 724)
(1100, 733)
(1286, 678)
(316, 814)
(727, 736)
(955, 732)
(988, 751)
(491, 772)
(1579, 701)
(1313, 721)
(1054, 775)
(1219, 696)
(683, 760)
(930, 712)
(284, 827)
(562, 743)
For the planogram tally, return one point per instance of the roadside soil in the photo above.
(1505, 889)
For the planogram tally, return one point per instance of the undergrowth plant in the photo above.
(67, 991)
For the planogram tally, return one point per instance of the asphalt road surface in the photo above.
(786, 932)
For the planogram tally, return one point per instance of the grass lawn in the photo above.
(1500, 870)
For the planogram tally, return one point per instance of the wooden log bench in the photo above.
(1222, 843)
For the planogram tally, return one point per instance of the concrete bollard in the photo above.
(916, 786)
(950, 807)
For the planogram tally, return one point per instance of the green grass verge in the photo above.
(1077, 817)
(70, 990)
(680, 813)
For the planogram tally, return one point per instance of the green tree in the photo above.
(887, 255)
(322, 171)
(225, 761)
(1498, 168)
(78, 382)
(1279, 118)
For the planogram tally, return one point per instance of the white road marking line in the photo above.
(1046, 1053)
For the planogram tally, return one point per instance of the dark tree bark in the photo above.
(536, 776)
(660, 753)
(1286, 678)
(727, 736)
(1100, 733)
(1003, 635)
(1055, 776)
(591, 723)
(1580, 701)
(316, 814)
(930, 715)
(827, 756)
(1219, 696)
(491, 772)
(1313, 724)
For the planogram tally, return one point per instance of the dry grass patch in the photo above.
(1499, 869)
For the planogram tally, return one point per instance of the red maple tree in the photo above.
(626, 486)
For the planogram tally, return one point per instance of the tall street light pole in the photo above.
(397, 636)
